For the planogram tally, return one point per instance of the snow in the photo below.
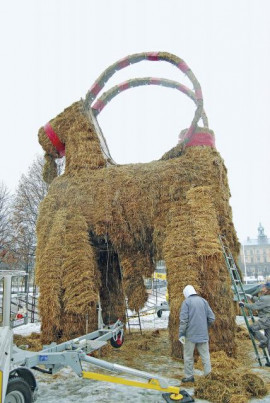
(66, 386)
(26, 330)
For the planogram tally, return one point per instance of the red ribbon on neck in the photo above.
(54, 139)
(201, 139)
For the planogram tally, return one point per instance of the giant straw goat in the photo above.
(102, 227)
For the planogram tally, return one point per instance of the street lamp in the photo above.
(245, 266)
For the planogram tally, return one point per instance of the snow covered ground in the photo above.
(66, 386)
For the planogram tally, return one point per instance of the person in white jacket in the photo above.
(195, 318)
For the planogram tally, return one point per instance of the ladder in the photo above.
(128, 317)
(241, 295)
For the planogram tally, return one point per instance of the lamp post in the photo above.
(244, 259)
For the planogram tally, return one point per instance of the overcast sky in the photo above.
(53, 50)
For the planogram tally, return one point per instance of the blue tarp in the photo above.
(251, 289)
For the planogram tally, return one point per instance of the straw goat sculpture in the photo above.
(102, 227)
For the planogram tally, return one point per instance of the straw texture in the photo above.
(102, 228)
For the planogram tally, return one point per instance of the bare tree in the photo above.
(30, 192)
(23, 215)
(5, 230)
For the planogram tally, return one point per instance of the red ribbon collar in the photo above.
(54, 139)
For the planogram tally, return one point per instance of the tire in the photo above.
(118, 342)
(27, 376)
(18, 391)
(159, 313)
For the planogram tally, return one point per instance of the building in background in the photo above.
(255, 257)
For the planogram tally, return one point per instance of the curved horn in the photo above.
(107, 96)
(136, 58)
(150, 56)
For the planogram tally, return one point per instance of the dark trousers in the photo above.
(262, 324)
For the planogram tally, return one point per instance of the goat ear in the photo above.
(49, 169)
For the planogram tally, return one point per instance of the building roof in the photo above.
(256, 242)
(261, 240)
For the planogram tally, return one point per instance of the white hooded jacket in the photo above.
(189, 290)
(195, 316)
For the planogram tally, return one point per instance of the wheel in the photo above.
(18, 391)
(159, 313)
(118, 342)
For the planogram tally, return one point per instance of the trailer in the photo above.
(17, 380)
(16, 384)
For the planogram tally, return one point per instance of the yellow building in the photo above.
(255, 257)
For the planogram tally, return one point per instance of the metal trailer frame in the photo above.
(72, 353)
(7, 275)
(5, 357)
(164, 306)
(21, 378)
(69, 353)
